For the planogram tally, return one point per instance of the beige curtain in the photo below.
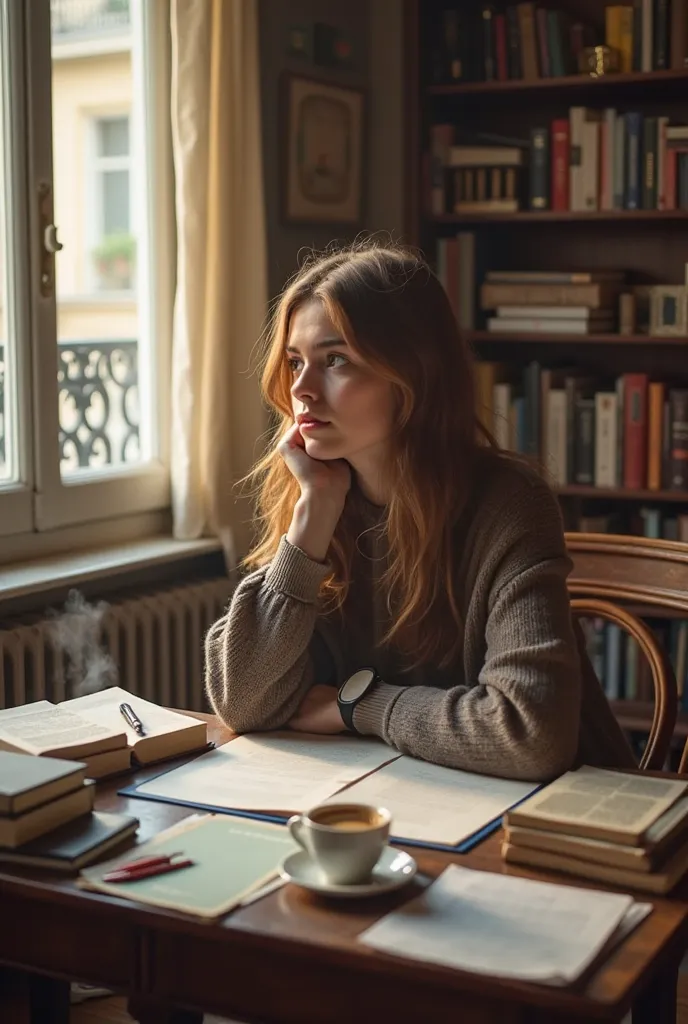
(221, 296)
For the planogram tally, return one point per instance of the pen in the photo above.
(132, 718)
(134, 874)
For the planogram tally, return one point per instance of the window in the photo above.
(85, 443)
(112, 243)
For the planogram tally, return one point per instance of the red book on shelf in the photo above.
(560, 164)
(635, 430)
(500, 47)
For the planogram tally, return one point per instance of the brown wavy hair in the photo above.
(392, 310)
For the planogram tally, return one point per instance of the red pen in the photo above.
(133, 874)
(144, 862)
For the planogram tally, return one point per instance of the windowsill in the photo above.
(66, 570)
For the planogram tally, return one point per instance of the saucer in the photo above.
(393, 870)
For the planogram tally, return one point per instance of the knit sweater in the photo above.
(520, 701)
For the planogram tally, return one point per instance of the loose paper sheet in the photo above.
(506, 926)
(271, 772)
(434, 804)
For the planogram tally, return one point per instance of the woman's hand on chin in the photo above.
(318, 712)
(320, 478)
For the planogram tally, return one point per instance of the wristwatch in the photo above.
(352, 691)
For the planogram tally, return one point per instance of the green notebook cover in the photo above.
(232, 858)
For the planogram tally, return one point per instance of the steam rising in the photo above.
(76, 632)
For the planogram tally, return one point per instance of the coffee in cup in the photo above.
(344, 840)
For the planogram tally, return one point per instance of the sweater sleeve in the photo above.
(265, 653)
(520, 717)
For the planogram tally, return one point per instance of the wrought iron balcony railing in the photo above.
(88, 18)
(97, 404)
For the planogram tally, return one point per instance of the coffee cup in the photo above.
(344, 840)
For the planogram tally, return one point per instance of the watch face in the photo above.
(357, 684)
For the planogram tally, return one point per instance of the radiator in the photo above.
(154, 640)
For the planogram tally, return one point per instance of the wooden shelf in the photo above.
(512, 337)
(653, 611)
(636, 714)
(621, 494)
(569, 82)
(559, 216)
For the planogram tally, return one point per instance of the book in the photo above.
(15, 831)
(27, 781)
(663, 839)
(508, 927)
(599, 803)
(93, 725)
(75, 845)
(549, 325)
(658, 882)
(232, 858)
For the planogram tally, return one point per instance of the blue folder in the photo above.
(281, 819)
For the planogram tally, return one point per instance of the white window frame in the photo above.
(97, 166)
(106, 494)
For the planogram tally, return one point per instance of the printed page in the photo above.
(103, 709)
(505, 926)
(285, 772)
(605, 798)
(43, 726)
(434, 804)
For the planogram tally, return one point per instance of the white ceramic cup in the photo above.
(344, 840)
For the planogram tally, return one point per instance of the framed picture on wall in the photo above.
(323, 135)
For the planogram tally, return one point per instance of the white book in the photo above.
(556, 442)
(553, 312)
(545, 325)
(606, 439)
(507, 927)
(501, 408)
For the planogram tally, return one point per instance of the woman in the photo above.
(397, 538)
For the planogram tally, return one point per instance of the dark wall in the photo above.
(375, 29)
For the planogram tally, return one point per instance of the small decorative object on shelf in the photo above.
(598, 60)
(668, 310)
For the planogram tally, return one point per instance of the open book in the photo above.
(92, 729)
(598, 803)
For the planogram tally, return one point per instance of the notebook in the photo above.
(232, 858)
(73, 846)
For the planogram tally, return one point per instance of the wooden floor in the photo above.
(113, 1011)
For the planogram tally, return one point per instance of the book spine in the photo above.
(489, 57)
(585, 441)
(501, 55)
(526, 24)
(633, 133)
(606, 442)
(501, 403)
(635, 430)
(560, 164)
(666, 445)
(649, 164)
(626, 38)
(637, 35)
(514, 41)
(591, 163)
(678, 402)
(660, 35)
(660, 175)
(679, 34)
(556, 440)
(539, 169)
(619, 162)
(556, 44)
(576, 181)
(543, 42)
(647, 44)
(670, 169)
(655, 425)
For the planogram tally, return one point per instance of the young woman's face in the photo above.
(344, 409)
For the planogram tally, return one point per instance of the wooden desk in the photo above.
(291, 958)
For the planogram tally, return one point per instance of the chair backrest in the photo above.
(620, 578)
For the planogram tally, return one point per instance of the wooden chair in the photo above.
(620, 578)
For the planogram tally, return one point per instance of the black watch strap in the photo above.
(351, 693)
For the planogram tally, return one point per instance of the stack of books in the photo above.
(550, 302)
(46, 814)
(92, 729)
(621, 828)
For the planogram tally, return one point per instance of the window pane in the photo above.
(9, 472)
(113, 136)
(99, 172)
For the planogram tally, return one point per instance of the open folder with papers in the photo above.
(272, 775)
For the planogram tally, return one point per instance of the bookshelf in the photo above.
(638, 230)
